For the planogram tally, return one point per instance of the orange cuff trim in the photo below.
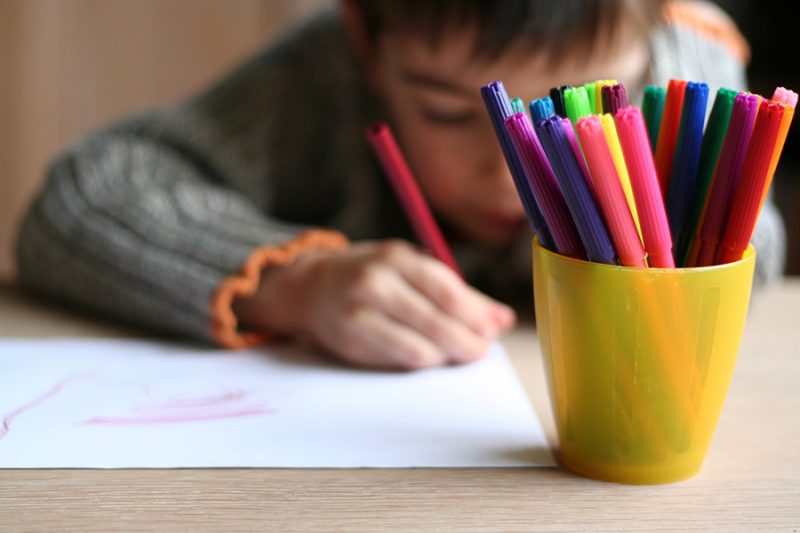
(224, 325)
(712, 22)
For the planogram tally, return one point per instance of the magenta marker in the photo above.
(544, 185)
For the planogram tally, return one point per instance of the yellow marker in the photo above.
(619, 162)
(598, 94)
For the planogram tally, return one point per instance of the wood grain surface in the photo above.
(750, 480)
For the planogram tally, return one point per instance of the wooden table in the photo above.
(750, 480)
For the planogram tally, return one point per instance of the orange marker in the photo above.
(789, 99)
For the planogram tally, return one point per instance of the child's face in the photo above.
(433, 97)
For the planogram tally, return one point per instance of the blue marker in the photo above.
(683, 179)
(541, 110)
(497, 104)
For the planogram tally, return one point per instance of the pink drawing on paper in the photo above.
(47, 395)
(187, 408)
(230, 404)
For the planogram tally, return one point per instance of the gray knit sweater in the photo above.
(148, 219)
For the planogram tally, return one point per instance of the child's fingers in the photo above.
(442, 286)
(388, 305)
(370, 338)
(504, 316)
(405, 304)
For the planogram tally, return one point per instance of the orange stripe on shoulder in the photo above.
(224, 325)
(710, 21)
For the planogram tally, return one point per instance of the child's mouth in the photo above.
(501, 222)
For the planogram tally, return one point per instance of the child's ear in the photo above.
(359, 39)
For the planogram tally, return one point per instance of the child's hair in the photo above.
(559, 27)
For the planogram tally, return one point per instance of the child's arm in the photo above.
(128, 227)
(169, 219)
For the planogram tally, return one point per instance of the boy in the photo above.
(195, 219)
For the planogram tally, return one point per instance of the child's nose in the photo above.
(494, 166)
(496, 171)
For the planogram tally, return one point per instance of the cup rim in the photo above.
(749, 255)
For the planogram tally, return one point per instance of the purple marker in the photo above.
(545, 187)
(729, 166)
(614, 98)
(591, 227)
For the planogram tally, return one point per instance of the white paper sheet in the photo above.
(138, 404)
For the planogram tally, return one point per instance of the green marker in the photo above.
(576, 103)
(709, 153)
(590, 95)
(517, 105)
(652, 109)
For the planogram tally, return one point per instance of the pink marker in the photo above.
(785, 96)
(646, 189)
(573, 142)
(608, 188)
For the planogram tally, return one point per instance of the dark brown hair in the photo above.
(556, 27)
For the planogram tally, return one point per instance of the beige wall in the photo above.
(69, 66)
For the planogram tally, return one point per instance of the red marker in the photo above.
(788, 98)
(755, 171)
(668, 133)
(726, 179)
(408, 191)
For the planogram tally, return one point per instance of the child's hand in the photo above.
(380, 305)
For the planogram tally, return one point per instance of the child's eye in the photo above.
(447, 118)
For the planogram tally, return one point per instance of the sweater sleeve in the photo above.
(129, 227)
(162, 220)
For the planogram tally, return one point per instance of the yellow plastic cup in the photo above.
(638, 361)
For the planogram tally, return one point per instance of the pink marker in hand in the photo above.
(408, 191)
